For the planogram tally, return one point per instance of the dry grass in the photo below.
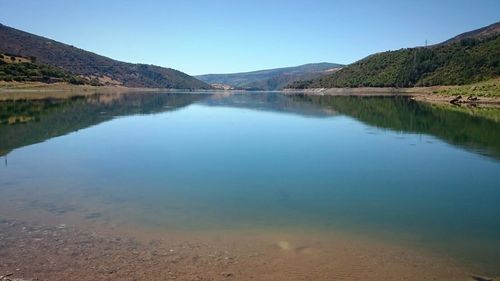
(38, 90)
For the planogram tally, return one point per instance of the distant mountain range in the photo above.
(270, 79)
(91, 66)
(467, 58)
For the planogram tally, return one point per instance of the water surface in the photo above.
(387, 167)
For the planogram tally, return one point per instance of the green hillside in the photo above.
(92, 66)
(469, 60)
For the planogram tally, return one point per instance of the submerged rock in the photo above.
(227, 274)
(284, 245)
(484, 278)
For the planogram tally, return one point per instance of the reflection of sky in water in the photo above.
(221, 167)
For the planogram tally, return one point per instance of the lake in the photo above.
(388, 168)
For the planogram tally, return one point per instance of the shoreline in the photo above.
(422, 94)
(38, 90)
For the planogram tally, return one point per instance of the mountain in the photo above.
(90, 65)
(481, 33)
(271, 79)
(467, 58)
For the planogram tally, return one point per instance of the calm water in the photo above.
(387, 167)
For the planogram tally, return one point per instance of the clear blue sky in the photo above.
(220, 36)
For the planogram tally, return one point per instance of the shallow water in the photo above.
(390, 168)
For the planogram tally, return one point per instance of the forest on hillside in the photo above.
(467, 61)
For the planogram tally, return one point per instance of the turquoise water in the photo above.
(386, 167)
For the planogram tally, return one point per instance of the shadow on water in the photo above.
(25, 122)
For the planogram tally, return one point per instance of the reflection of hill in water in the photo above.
(50, 118)
(45, 119)
(274, 102)
(476, 129)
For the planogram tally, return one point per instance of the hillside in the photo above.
(92, 66)
(271, 79)
(21, 69)
(473, 58)
(481, 33)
